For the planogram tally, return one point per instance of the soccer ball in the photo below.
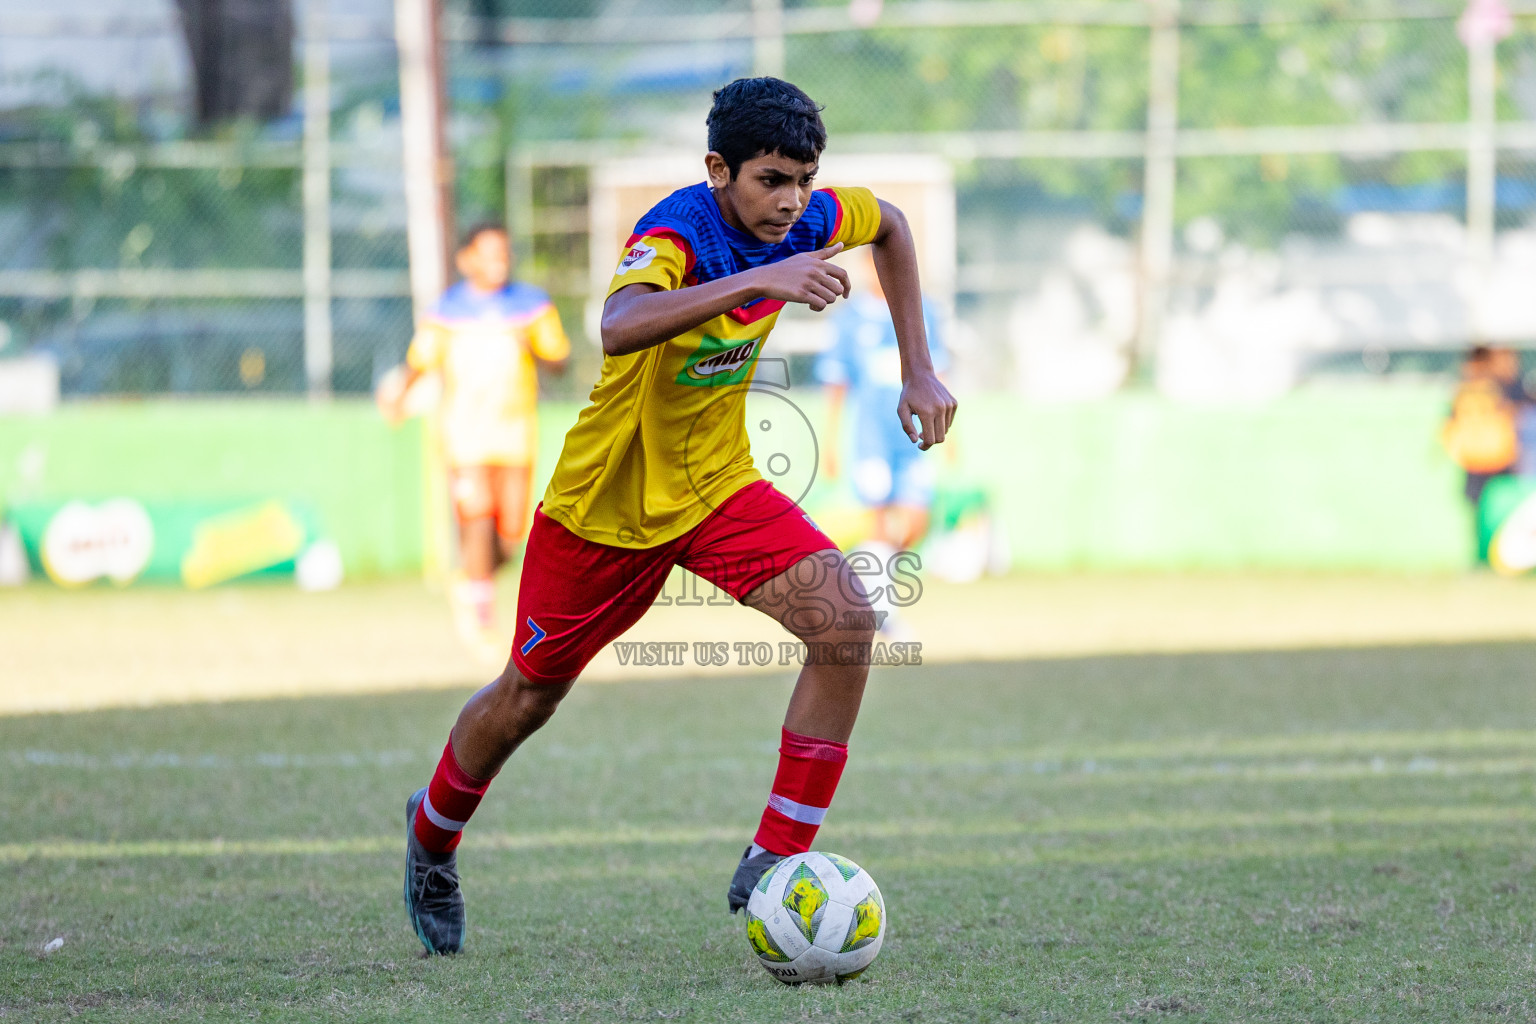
(816, 917)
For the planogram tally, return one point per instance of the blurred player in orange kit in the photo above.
(485, 339)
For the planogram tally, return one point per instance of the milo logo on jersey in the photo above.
(717, 362)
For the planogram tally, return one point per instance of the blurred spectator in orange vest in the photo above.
(1481, 431)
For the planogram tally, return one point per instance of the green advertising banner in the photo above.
(196, 544)
(1506, 522)
(1347, 478)
(333, 465)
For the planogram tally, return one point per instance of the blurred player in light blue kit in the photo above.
(862, 371)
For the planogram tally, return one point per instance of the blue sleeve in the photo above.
(523, 298)
(814, 228)
(445, 305)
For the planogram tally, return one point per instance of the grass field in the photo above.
(1331, 834)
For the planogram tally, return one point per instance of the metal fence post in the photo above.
(428, 171)
(318, 354)
(428, 167)
(1159, 176)
(1481, 27)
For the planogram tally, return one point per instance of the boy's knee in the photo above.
(857, 623)
(526, 704)
(851, 624)
(835, 621)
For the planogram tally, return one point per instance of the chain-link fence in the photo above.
(1219, 196)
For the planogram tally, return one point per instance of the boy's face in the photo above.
(767, 196)
(486, 262)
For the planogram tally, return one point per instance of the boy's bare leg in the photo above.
(514, 484)
(498, 718)
(492, 725)
(908, 524)
(822, 602)
(478, 547)
(473, 597)
(825, 605)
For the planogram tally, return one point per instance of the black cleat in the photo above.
(432, 897)
(748, 873)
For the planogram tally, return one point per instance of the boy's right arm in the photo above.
(424, 355)
(639, 316)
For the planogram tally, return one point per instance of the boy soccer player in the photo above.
(485, 336)
(657, 472)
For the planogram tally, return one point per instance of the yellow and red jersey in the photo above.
(484, 344)
(663, 441)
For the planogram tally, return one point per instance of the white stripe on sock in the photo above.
(446, 824)
(803, 813)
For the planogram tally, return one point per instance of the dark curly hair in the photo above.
(474, 231)
(755, 117)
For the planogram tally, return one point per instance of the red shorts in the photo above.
(577, 596)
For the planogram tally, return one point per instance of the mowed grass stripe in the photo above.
(1181, 821)
(1359, 744)
(1356, 744)
(1038, 773)
(1101, 774)
(1275, 848)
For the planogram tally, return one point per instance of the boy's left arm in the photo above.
(922, 393)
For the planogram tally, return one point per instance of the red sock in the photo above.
(452, 796)
(802, 791)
